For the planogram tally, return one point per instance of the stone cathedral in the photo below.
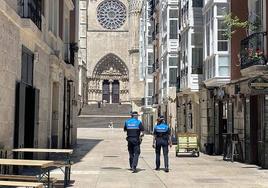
(111, 51)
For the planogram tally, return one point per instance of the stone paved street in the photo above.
(101, 160)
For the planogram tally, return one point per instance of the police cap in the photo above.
(134, 113)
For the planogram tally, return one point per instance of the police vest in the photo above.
(161, 130)
(133, 127)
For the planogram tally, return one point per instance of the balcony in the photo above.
(252, 55)
(31, 9)
(69, 52)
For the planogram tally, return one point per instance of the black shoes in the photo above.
(134, 170)
(157, 168)
(166, 170)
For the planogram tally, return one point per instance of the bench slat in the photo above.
(21, 184)
(25, 178)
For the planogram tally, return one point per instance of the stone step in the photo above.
(92, 121)
(107, 109)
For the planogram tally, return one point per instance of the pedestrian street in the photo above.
(101, 160)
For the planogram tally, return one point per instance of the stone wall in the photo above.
(15, 33)
(102, 43)
(10, 57)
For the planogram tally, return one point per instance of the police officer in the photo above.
(162, 139)
(134, 129)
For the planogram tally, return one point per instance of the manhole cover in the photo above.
(209, 180)
(111, 168)
(111, 156)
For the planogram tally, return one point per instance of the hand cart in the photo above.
(187, 143)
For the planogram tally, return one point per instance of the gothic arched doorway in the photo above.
(109, 81)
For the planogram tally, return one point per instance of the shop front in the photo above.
(249, 99)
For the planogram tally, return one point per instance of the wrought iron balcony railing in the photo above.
(252, 50)
(69, 52)
(31, 9)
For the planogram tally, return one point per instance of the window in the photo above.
(150, 34)
(111, 14)
(222, 9)
(164, 24)
(150, 89)
(222, 38)
(150, 70)
(208, 39)
(27, 66)
(172, 77)
(223, 66)
(150, 58)
(197, 39)
(256, 14)
(32, 9)
(173, 13)
(173, 61)
(53, 16)
(197, 60)
(173, 29)
(197, 3)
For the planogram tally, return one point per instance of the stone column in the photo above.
(100, 87)
(136, 93)
(121, 96)
(111, 90)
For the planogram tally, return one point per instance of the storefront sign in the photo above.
(258, 83)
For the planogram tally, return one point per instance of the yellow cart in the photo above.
(187, 143)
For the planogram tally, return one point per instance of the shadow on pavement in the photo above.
(83, 147)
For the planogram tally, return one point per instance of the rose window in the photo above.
(111, 14)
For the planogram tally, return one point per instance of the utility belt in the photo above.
(132, 137)
(162, 135)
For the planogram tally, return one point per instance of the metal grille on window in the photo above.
(111, 14)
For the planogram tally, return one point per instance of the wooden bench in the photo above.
(21, 184)
(26, 178)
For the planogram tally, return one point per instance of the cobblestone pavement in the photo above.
(101, 160)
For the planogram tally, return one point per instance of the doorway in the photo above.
(26, 117)
(55, 116)
(222, 125)
(106, 91)
(115, 91)
(254, 127)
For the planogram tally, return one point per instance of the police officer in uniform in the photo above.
(135, 132)
(162, 139)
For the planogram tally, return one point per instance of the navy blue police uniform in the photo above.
(133, 127)
(162, 134)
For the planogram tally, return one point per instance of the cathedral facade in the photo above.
(111, 52)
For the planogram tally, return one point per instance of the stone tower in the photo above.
(137, 87)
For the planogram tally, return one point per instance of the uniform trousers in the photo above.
(161, 143)
(134, 151)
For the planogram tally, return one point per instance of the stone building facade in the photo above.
(38, 73)
(247, 92)
(113, 67)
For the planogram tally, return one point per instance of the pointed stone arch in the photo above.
(110, 70)
(111, 66)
